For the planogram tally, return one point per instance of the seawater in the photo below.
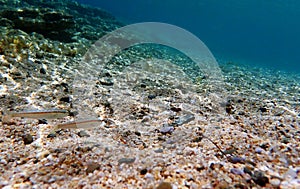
(255, 32)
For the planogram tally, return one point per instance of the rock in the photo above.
(143, 171)
(164, 185)
(184, 119)
(248, 170)
(106, 81)
(27, 139)
(91, 167)
(151, 96)
(166, 130)
(235, 159)
(51, 135)
(83, 134)
(43, 71)
(236, 171)
(258, 150)
(42, 121)
(159, 150)
(66, 99)
(259, 178)
(263, 109)
(126, 160)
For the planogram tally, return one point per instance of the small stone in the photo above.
(236, 171)
(259, 178)
(43, 71)
(151, 96)
(166, 130)
(106, 81)
(164, 185)
(248, 170)
(258, 150)
(51, 135)
(235, 159)
(27, 139)
(275, 182)
(285, 140)
(175, 109)
(83, 134)
(143, 171)
(91, 167)
(43, 121)
(263, 109)
(159, 150)
(126, 160)
(65, 99)
(184, 119)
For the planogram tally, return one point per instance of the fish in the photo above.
(36, 114)
(82, 124)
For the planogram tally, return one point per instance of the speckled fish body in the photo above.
(84, 124)
(37, 114)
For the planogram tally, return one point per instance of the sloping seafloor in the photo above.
(160, 123)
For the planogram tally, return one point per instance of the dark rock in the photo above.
(43, 71)
(229, 108)
(235, 159)
(91, 167)
(143, 171)
(265, 146)
(65, 99)
(137, 133)
(159, 150)
(51, 135)
(42, 121)
(126, 160)
(27, 139)
(263, 109)
(83, 134)
(240, 186)
(151, 96)
(106, 81)
(164, 185)
(259, 178)
(247, 170)
(175, 109)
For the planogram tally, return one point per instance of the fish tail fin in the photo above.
(6, 116)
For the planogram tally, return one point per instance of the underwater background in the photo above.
(256, 32)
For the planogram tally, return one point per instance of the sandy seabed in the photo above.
(158, 127)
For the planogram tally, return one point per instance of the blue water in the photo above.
(257, 32)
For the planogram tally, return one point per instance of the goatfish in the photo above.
(83, 124)
(36, 114)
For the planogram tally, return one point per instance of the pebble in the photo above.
(27, 139)
(258, 150)
(184, 119)
(236, 171)
(66, 99)
(166, 130)
(83, 134)
(126, 160)
(159, 150)
(106, 81)
(259, 178)
(143, 171)
(275, 182)
(91, 167)
(235, 159)
(51, 135)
